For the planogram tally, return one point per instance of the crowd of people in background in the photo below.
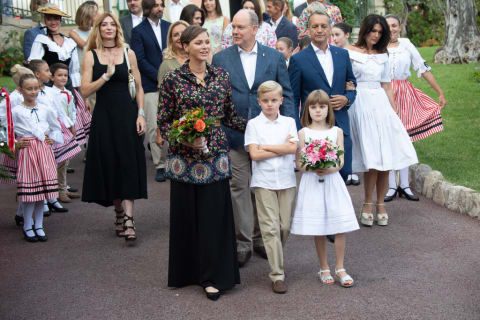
(273, 78)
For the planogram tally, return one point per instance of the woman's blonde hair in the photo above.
(17, 72)
(84, 15)
(319, 97)
(169, 52)
(95, 40)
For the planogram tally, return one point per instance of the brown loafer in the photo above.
(279, 286)
(64, 198)
(73, 195)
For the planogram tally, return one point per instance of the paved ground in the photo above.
(425, 265)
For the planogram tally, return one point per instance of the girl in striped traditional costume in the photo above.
(36, 129)
(45, 98)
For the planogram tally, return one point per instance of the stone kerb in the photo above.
(432, 185)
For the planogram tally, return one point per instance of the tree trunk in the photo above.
(462, 36)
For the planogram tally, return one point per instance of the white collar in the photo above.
(136, 17)
(254, 50)
(315, 49)
(57, 89)
(172, 3)
(153, 23)
(266, 120)
(278, 20)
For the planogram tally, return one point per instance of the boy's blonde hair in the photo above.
(17, 72)
(317, 97)
(269, 86)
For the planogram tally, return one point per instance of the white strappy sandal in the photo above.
(366, 218)
(344, 278)
(382, 218)
(325, 279)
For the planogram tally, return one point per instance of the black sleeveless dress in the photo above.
(115, 167)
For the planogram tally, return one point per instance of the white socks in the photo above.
(31, 209)
(45, 206)
(354, 176)
(404, 183)
(20, 209)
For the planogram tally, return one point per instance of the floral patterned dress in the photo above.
(180, 91)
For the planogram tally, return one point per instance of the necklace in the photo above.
(109, 47)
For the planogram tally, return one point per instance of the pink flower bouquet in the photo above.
(320, 154)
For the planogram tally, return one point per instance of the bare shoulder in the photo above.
(131, 54)
(339, 131)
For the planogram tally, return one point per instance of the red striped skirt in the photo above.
(84, 118)
(68, 149)
(419, 113)
(36, 172)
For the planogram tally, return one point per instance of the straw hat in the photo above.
(53, 10)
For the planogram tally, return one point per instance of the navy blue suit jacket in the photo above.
(148, 52)
(29, 38)
(286, 29)
(270, 65)
(307, 75)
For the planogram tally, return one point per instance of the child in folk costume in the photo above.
(63, 102)
(45, 98)
(14, 99)
(36, 128)
(323, 208)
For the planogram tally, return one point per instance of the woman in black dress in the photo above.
(115, 169)
(202, 233)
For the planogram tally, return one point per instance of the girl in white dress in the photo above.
(323, 208)
(380, 141)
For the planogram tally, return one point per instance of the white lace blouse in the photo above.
(402, 57)
(68, 50)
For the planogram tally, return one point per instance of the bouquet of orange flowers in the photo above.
(192, 125)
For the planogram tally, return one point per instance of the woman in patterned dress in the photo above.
(419, 113)
(202, 233)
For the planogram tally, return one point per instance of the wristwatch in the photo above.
(141, 112)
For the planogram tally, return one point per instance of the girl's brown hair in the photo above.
(218, 8)
(95, 40)
(319, 97)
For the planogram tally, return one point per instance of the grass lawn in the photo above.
(456, 150)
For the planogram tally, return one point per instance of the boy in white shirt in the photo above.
(64, 103)
(271, 139)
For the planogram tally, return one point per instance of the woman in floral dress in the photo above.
(202, 233)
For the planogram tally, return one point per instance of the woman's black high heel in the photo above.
(129, 237)
(55, 209)
(119, 222)
(390, 198)
(411, 197)
(18, 221)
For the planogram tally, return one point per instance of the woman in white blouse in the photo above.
(419, 113)
(55, 47)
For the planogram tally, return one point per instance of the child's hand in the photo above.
(48, 140)
(324, 172)
(22, 143)
(73, 131)
(291, 139)
(88, 105)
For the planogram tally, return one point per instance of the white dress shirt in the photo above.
(175, 10)
(249, 63)
(157, 31)
(326, 61)
(36, 122)
(64, 106)
(275, 173)
(275, 24)
(136, 20)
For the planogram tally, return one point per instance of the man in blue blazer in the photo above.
(148, 40)
(326, 67)
(249, 65)
(29, 37)
(281, 25)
